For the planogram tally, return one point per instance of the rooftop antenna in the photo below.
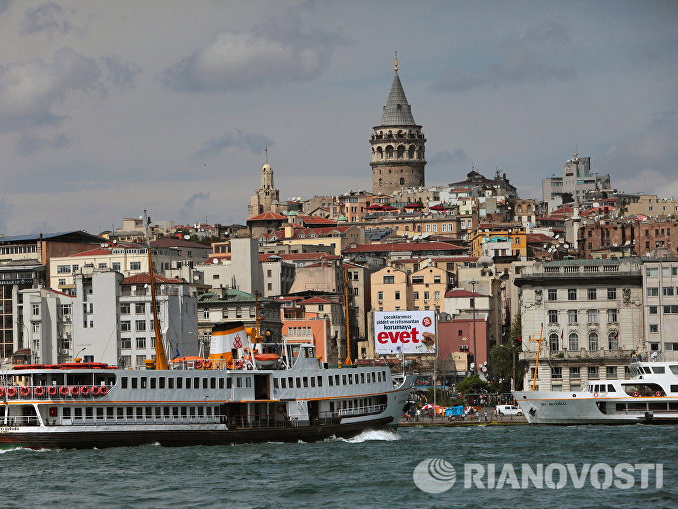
(395, 62)
(266, 151)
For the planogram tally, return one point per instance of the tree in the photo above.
(505, 358)
(473, 385)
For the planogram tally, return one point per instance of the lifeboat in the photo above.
(266, 360)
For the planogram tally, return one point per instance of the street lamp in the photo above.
(78, 354)
(473, 311)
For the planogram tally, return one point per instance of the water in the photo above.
(373, 470)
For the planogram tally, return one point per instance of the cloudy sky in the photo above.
(111, 107)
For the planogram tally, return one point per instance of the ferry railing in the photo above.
(19, 420)
(366, 410)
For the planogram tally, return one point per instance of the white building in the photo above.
(592, 317)
(660, 284)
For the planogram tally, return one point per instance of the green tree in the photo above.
(472, 384)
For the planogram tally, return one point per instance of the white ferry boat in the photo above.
(199, 401)
(649, 396)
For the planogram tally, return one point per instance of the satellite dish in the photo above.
(483, 369)
(215, 261)
(103, 244)
(473, 365)
(187, 237)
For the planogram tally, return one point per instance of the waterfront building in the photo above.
(397, 143)
(592, 317)
(660, 309)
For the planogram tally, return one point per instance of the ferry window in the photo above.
(229, 383)
(290, 382)
(331, 406)
(283, 383)
(123, 382)
(130, 412)
(158, 412)
(144, 382)
(67, 413)
(275, 383)
(89, 412)
(154, 382)
(175, 411)
(659, 369)
(201, 411)
(248, 381)
(77, 413)
(673, 406)
(238, 381)
(343, 379)
(188, 383)
(610, 388)
(674, 388)
(134, 382)
(121, 412)
(312, 381)
(196, 382)
(191, 411)
(208, 410)
(166, 411)
(350, 379)
(221, 383)
(336, 379)
(140, 413)
(183, 412)
(161, 382)
(149, 412)
(330, 379)
(305, 381)
(320, 381)
(674, 369)
(204, 383)
(170, 383)
(109, 412)
(213, 383)
(383, 377)
(180, 383)
(621, 407)
(362, 378)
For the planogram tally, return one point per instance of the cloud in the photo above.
(28, 144)
(49, 18)
(187, 207)
(254, 143)
(456, 156)
(30, 92)
(121, 74)
(647, 161)
(278, 52)
(540, 55)
(4, 5)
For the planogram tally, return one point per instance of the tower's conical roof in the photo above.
(397, 111)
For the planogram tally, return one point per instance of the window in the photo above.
(571, 294)
(653, 291)
(572, 317)
(667, 291)
(415, 295)
(654, 328)
(436, 279)
(593, 372)
(140, 308)
(135, 266)
(125, 326)
(611, 373)
(115, 265)
(671, 310)
(611, 316)
(124, 308)
(552, 294)
(557, 373)
(553, 316)
(389, 280)
(380, 295)
(553, 342)
(397, 295)
(575, 372)
(653, 310)
(652, 271)
(592, 316)
(140, 325)
(611, 293)
(35, 309)
(593, 341)
(573, 341)
(125, 343)
(591, 294)
(613, 340)
(141, 361)
(141, 343)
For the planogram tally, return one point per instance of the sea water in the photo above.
(376, 469)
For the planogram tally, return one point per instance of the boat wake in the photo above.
(29, 449)
(372, 435)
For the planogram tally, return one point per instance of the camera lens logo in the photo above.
(434, 475)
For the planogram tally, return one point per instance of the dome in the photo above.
(266, 167)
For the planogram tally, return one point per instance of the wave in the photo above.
(372, 435)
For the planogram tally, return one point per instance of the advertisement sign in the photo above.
(404, 332)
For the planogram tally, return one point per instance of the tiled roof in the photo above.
(462, 293)
(317, 300)
(397, 111)
(268, 216)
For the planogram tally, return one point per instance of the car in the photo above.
(508, 410)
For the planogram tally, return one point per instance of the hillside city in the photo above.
(587, 274)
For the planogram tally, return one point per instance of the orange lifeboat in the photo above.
(266, 359)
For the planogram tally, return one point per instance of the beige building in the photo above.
(267, 197)
(650, 205)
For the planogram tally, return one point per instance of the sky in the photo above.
(109, 108)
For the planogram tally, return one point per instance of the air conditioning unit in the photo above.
(63, 351)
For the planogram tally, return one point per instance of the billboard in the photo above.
(404, 332)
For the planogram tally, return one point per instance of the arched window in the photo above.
(613, 340)
(401, 152)
(402, 181)
(410, 152)
(573, 341)
(593, 341)
(553, 342)
(380, 153)
(380, 182)
(389, 152)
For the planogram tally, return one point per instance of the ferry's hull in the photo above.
(558, 407)
(74, 437)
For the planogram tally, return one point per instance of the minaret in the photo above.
(397, 144)
(267, 198)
